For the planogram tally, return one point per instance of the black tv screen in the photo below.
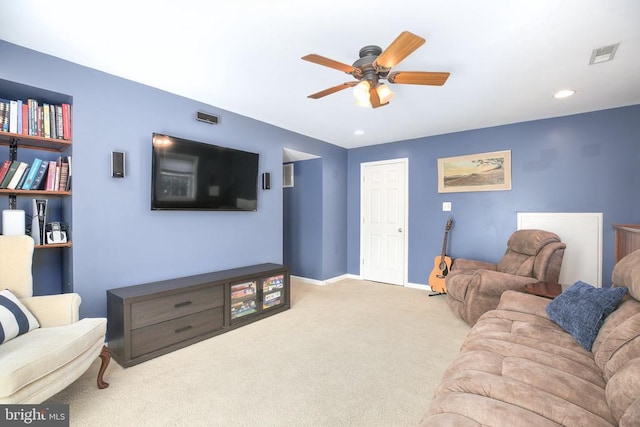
(191, 175)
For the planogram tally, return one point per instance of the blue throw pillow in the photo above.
(15, 319)
(581, 310)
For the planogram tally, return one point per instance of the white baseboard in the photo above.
(324, 282)
(419, 286)
(354, 277)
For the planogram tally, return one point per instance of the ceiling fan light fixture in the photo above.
(384, 93)
(361, 93)
(363, 103)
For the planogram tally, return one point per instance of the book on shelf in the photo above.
(33, 116)
(25, 119)
(46, 121)
(13, 116)
(40, 180)
(52, 122)
(64, 176)
(19, 121)
(31, 176)
(7, 178)
(56, 182)
(4, 169)
(66, 121)
(28, 117)
(39, 126)
(51, 176)
(23, 177)
(17, 175)
(69, 178)
(4, 115)
(59, 126)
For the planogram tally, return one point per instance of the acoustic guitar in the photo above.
(441, 265)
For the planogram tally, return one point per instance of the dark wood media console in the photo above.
(148, 320)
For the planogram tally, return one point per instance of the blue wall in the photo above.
(303, 236)
(581, 163)
(117, 239)
(315, 219)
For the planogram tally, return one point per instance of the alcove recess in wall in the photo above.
(287, 175)
(290, 156)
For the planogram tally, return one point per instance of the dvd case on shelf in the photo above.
(243, 308)
(272, 283)
(242, 290)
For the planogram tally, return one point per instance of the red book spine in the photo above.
(66, 121)
(51, 176)
(25, 119)
(4, 169)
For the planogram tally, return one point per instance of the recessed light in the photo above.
(565, 93)
(358, 132)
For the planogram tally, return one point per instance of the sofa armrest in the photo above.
(54, 310)
(524, 303)
(495, 282)
(471, 264)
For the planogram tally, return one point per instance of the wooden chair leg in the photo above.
(106, 358)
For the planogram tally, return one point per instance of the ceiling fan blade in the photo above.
(332, 90)
(374, 98)
(321, 60)
(399, 49)
(418, 78)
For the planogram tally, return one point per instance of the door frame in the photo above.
(405, 264)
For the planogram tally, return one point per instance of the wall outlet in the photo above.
(446, 206)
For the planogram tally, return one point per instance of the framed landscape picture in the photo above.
(475, 172)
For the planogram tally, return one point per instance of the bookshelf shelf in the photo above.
(54, 245)
(35, 192)
(34, 142)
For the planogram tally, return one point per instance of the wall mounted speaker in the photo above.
(117, 164)
(266, 181)
(207, 118)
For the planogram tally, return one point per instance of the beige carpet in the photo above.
(353, 353)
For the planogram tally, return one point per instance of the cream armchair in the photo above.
(40, 363)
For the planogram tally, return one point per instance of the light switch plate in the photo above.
(446, 206)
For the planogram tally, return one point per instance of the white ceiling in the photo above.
(506, 57)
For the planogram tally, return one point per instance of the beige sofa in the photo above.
(519, 368)
(38, 364)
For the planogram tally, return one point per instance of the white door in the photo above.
(383, 222)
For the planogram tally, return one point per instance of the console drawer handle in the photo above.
(184, 328)
(182, 304)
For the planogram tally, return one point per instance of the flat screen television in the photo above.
(192, 175)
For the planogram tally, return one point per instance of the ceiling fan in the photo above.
(375, 65)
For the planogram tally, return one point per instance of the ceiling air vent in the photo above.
(603, 54)
(207, 118)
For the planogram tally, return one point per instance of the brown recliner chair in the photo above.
(474, 287)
